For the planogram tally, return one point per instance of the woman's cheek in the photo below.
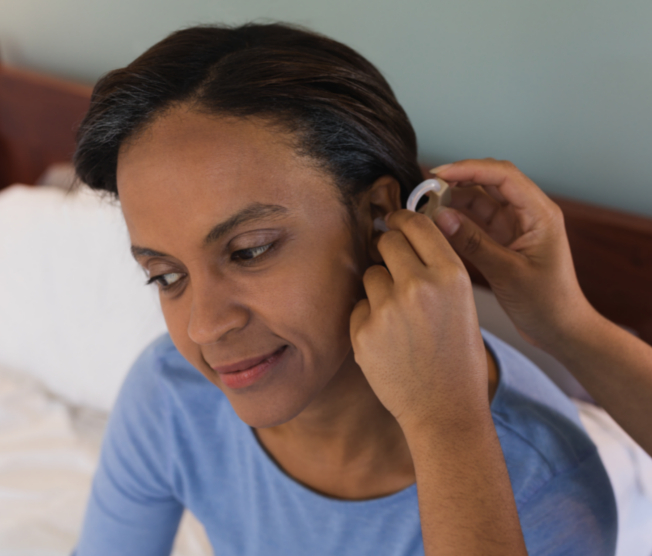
(336, 287)
(176, 313)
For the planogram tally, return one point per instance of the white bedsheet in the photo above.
(630, 471)
(48, 453)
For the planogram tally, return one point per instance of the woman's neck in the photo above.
(345, 444)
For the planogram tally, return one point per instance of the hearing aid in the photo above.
(439, 195)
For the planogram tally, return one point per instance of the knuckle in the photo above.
(508, 166)
(418, 291)
(457, 283)
(460, 277)
(417, 223)
(385, 315)
(557, 213)
(472, 242)
(554, 213)
(451, 280)
(359, 340)
(374, 270)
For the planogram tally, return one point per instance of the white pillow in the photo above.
(74, 312)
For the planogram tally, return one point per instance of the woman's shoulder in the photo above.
(559, 482)
(538, 425)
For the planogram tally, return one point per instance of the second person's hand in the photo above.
(514, 234)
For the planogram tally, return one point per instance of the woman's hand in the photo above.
(418, 342)
(416, 336)
(515, 235)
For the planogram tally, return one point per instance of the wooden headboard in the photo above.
(612, 249)
(38, 119)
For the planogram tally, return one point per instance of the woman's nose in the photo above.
(214, 313)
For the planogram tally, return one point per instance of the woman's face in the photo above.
(253, 254)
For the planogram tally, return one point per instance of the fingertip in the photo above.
(440, 169)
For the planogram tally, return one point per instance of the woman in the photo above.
(290, 413)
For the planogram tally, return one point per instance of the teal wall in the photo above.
(563, 88)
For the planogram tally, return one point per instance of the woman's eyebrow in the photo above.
(138, 252)
(254, 211)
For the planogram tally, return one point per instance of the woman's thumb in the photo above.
(472, 243)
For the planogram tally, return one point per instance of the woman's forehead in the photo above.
(188, 163)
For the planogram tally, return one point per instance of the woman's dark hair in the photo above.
(339, 107)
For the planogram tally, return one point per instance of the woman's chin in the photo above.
(269, 413)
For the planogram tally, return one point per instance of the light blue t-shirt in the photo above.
(174, 441)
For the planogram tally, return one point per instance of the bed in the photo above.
(70, 293)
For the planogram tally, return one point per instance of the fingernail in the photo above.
(447, 221)
(388, 215)
(440, 169)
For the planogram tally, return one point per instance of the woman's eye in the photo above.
(165, 281)
(245, 255)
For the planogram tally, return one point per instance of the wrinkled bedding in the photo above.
(48, 453)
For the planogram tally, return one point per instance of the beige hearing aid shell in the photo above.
(436, 199)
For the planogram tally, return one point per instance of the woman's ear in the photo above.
(382, 197)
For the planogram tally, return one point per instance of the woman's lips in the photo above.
(246, 372)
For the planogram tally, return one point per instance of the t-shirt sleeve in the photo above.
(132, 509)
(574, 513)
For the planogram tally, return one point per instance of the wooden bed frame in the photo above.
(38, 119)
(612, 250)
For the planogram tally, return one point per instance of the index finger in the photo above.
(514, 186)
(425, 238)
